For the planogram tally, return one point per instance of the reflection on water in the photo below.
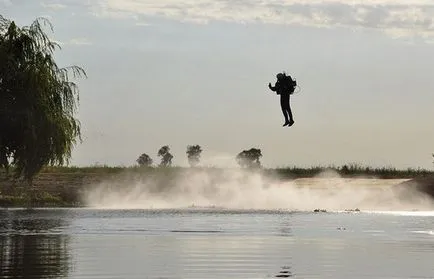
(34, 256)
(82, 243)
(28, 249)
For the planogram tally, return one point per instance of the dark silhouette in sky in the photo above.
(284, 87)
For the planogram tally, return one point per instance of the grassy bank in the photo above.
(61, 186)
(346, 171)
(36, 199)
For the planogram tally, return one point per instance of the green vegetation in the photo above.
(193, 154)
(295, 172)
(249, 158)
(38, 199)
(352, 171)
(166, 157)
(37, 101)
(144, 160)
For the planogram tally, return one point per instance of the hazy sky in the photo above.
(180, 72)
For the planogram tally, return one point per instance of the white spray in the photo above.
(241, 189)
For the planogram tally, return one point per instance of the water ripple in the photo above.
(213, 244)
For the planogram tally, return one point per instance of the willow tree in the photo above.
(37, 100)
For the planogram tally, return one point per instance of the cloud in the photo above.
(6, 2)
(142, 23)
(407, 18)
(53, 6)
(79, 42)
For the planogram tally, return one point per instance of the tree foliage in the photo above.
(193, 154)
(166, 157)
(249, 158)
(37, 100)
(144, 160)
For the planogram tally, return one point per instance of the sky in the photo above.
(184, 72)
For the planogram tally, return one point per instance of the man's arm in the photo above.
(273, 88)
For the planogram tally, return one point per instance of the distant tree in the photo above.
(166, 157)
(345, 169)
(249, 158)
(144, 160)
(193, 154)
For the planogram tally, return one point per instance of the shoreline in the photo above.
(62, 186)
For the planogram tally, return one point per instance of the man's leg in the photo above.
(289, 112)
(284, 109)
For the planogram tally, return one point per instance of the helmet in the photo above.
(279, 76)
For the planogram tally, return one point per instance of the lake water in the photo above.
(213, 243)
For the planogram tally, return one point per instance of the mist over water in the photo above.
(245, 190)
